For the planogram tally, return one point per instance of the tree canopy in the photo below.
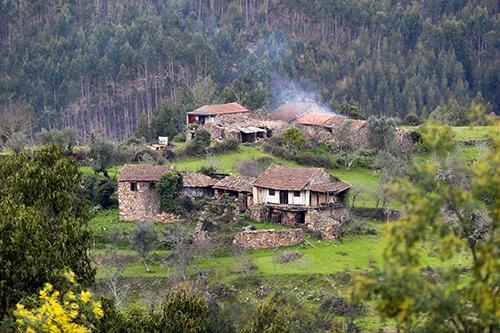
(43, 223)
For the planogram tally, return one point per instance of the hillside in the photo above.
(109, 64)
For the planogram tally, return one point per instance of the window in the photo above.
(296, 193)
(151, 186)
(133, 187)
(271, 192)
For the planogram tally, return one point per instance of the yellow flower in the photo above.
(97, 309)
(70, 276)
(85, 296)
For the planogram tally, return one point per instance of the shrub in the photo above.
(179, 137)
(104, 190)
(183, 311)
(357, 227)
(411, 119)
(199, 144)
(340, 306)
(207, 170)
(168, 188)
(288, 257)
(224, 146)
(184, 203)
(381, 131)
(293, 138)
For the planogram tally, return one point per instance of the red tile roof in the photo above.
(219, 109)
(235, 183)
(291, 110)
(279, 177)
(315, 118)
(143, 172)
(336, 187)
(197, 179)
(339, 120)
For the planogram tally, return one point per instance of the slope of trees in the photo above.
(105, 64)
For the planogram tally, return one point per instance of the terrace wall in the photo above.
(271, 238)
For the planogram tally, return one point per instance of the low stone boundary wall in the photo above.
(385, 214)
(270, 238)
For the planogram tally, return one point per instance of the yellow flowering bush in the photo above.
(73, 311)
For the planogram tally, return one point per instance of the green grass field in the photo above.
(464, 132)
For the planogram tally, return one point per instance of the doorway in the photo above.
(284, 197)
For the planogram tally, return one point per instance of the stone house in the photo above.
(137, 197)
(237, 187)
(288, 194)
(196, 184)
(208, 114)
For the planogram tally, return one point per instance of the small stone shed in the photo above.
(137, 197)
(237, 187)
(196, 184)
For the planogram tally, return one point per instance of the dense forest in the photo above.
(109, 64)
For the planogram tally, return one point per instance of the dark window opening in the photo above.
(271, 192)
(284, 197)
(296, 193)
(151, 186)
(133, 187)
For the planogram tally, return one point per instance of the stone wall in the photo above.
(327, 226)
(271, 238)
(385, 214)
(143, 204)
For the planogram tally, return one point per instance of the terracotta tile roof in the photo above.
(235, 183)
(219, 109)
(315, 118)
(339, 120)
(143, 172)
(279, 177)
(197, 179)
(336, 187)
(290, 111)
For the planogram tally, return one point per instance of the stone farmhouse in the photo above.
(229, 121)
(137, 197)
(196, 184)
(289, 194)
(237, 187)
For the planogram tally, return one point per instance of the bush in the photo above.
(251, 168)
(183, 311)
(199, 144)
(411, 119)
(104, 190)
(168, 188)
(357, 227)
(224, 147)
(304, 158)
(207, 170)
(179, 137)
(184, 203)
(288, 257)
(340, 306)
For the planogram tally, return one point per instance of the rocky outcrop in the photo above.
(270, 238)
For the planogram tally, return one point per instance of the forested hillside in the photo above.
(106, 64)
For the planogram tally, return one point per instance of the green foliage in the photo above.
(168, 188)
(207, 170)
(293, 138)
(183, 310)
(277, 314)
(452, 114)
(99, 190)
(102, 153)
(350, 111)
(43, 227)
(446, 211)
(143, 239)
(65, 138)
(199, 144)
(381, 131)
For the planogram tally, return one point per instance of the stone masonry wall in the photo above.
(328, 227)
(143, 204)
(271, 238)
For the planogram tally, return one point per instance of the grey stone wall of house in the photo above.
(271, 238)
(143, 204)
(198, 192)
(327, 226)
